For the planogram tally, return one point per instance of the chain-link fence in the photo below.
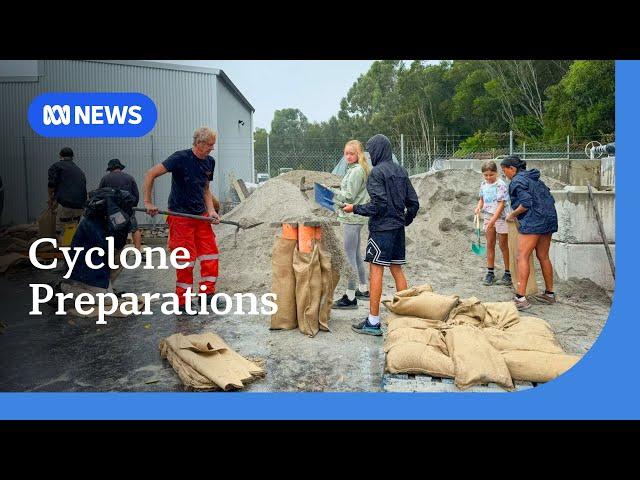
(416, 153)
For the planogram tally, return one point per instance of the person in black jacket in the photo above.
(393, 206)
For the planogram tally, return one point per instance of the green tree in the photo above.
(583, 102)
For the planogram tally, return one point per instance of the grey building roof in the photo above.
(185, 68)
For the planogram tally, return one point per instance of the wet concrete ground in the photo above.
(65, 353)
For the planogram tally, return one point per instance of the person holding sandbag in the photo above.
(533, 207)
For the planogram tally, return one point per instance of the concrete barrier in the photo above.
(569, 172)
(576, 220)
(582, 260)
(608, 173)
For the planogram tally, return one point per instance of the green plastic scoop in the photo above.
(476, 246)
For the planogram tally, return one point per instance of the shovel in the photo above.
(324, 197)
(477, 247)
(200, 217)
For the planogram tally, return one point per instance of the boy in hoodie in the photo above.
(393, 206)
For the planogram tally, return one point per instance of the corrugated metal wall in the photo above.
(185, 101)
(233, 148)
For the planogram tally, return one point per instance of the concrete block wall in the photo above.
(570, 172)
(608, 173)
(577, 249)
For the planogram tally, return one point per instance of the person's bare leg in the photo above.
(526, 244)
(137, 239)
(398, 276)
(375, 294)
(503, 240)
(491, 247)
(542, 252)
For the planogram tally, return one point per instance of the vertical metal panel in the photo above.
(185, 101)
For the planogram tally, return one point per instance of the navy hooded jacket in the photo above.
(528, 190)
(390, 190)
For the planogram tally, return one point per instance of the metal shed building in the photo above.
(186, 98)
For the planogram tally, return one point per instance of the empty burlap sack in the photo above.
(475, 361)
(398, 321)
(283, 284)
(500, 315)
(206, 362)
(426, 336)
(538, 366)
(418, 358)
(470, 311)
(413, 291)
(521, 339)
(330, 279)
(47, 223)
(424, 305)
(308, 290)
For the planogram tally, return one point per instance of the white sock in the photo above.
(374, 320)
(363, 287)
(351, 294)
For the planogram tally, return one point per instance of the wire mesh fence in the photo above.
(416, 153)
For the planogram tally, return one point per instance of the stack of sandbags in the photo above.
(474, 342)
(304, 279)
(206, 362)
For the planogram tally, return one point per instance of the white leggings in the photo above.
(352, 249)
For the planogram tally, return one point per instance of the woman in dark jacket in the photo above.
(533, 207)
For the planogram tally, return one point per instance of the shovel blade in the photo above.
(478, 249)
(323, 197)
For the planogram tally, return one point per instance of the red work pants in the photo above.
(198, 238)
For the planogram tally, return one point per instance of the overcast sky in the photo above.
(314, 86)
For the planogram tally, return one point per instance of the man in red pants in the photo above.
(191, 171)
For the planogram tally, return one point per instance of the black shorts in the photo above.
(386, 248)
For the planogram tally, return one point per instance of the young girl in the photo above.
(492, 203)
(353, 190)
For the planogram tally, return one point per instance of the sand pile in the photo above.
(443, 228)
(310, 177)
(245, 256)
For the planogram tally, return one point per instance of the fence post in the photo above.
(567, 147)
(153, 199)
(510, 142)
(26, 177)
(268, 157)
(402, 149)
(524, 150)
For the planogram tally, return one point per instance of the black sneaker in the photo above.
(221, 303)
(366, 328)
(505, 280)
(182, 310)
(363, 295)
(489, 279)
(345, 304)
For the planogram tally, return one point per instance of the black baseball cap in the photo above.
(66, 152)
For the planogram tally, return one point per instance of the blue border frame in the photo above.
(603, 385)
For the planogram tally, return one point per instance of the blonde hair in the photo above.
(362, 161)
(202, 134)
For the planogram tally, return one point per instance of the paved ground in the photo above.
(64, 353)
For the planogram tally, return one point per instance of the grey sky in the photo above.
(314, 86)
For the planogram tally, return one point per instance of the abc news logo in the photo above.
(91, 115)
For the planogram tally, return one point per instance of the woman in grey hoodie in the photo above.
(353, 189)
